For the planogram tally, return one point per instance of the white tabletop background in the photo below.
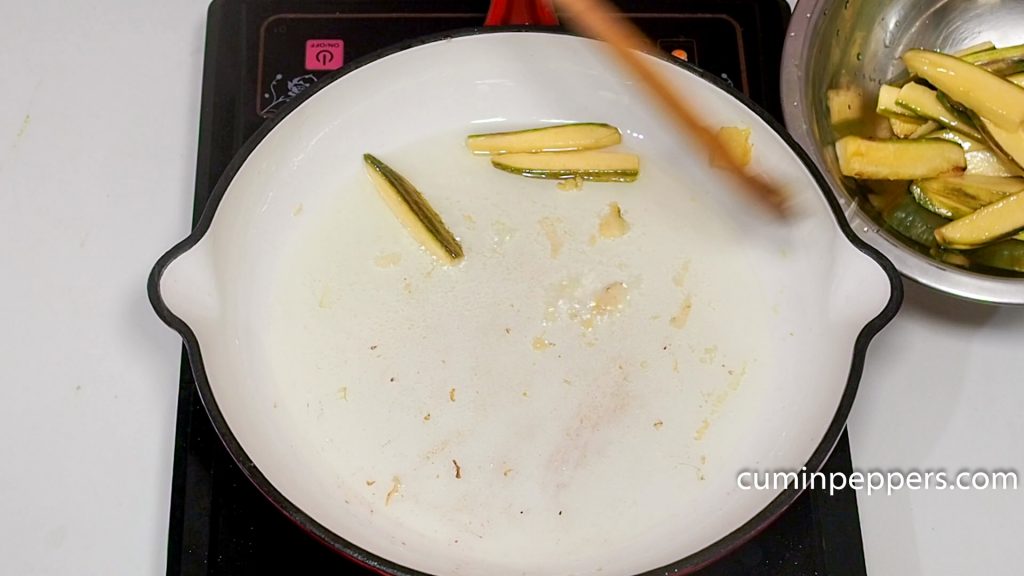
(98, 127)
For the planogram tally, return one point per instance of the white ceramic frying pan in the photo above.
(487, 418)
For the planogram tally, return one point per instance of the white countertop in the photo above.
(98, 129)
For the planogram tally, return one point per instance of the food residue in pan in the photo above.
(539, 343)
(719, 399)
(736, 142)
(552, 228)
(709, 354)
(702, 429)
(388, 260)
(561, 298)
(569, 298)
(608, 300)
(396, 487)
(501, 234)
(612, 224)
(570, 185)
(612, 297)
(678, 320)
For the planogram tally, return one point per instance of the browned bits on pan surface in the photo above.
(396, 485)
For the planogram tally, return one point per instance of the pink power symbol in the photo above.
(325, 54)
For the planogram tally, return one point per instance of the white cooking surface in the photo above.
(97, 144)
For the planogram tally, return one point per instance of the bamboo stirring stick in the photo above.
(601, 20)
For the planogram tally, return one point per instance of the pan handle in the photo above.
(521, 13)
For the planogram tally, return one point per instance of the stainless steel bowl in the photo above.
(858, 42)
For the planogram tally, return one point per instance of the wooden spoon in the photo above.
(600, 19)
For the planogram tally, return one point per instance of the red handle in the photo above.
(521, 12)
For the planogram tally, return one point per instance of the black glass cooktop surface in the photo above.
(262, 53)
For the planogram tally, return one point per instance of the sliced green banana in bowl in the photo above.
(955, 157)
(986, 225)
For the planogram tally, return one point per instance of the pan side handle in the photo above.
(521, 13)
